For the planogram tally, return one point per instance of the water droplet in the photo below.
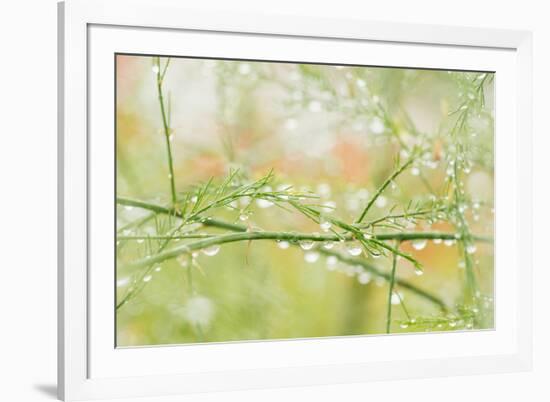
(199, 310)
(155, 69)
(147, 278)
(158, 269)
(311, 256)
(418, 271)
(325, 224)
(376, 255)
(381, 201)
(243, 217)
(376, 125)
(329, 206)
(122, 282)
(415, 171)
(471, 248)
(315, 106)
(211, 250)
(306, 244)
(183, 260)
(448, 242)
(404, 325)
(461, 264)
(324, 190)
(140, 241)
(282, 244)
(328, 245)
(331, 262)
(128, 207)
(437, 241)
(419, 244)
(263, 203)
(364, 278)
(395, 299)
(244, 68)
(452, 323)
(354, 248)
(367, 236)
(291, 124)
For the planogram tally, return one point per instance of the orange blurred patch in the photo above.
(206, 166)
(129, 71)
(353, 161)
(434, 257)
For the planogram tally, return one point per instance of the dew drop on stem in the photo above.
(211, 250)
(263, 203)
(325, 224)
(283, 244)
(448, 242)
(395, 298)
(328, 245)
(354, 248)
(419, 244)
(306, 244)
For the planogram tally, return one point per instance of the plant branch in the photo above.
(166, 128)
(382, 188)
(390, 290)
(402, 236)
(355, 261)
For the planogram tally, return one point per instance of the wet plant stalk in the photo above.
(166, 128)
(390, 291)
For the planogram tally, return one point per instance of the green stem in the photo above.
(160, 78)
(241, 234)
(291, 236)
(382, 188)
(404, 215)
(356, 261)
(402, 236)
(235, 237)
(390, 291)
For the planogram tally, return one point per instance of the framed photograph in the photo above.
(261, 201)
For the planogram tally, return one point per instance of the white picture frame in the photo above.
(89, 365)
